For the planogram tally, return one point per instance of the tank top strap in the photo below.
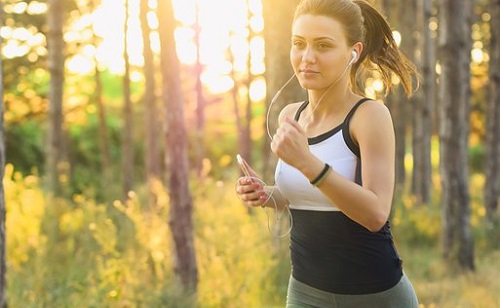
(353, 110)
(345, 128)
(299, 111)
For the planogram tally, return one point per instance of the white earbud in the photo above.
(354, 58)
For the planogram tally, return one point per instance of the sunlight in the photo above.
(80, 64)
(397, 37)
(186, 48)
(218, 33)
(19, 8)
(110, 51)
(223, 38)
(477, 55)
(216, 82)
(258, 90)
(18, 42)
(33, 8)
(36, 8)
(373, 87)
(13, 49)
(257, 46)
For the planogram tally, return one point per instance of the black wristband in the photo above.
(321, 176)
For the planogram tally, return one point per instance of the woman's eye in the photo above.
(323, 45)
(298, 44)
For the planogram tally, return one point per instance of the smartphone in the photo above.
(243, 167)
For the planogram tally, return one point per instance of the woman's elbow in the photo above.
(377, 222)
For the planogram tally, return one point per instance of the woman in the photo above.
(336, 161)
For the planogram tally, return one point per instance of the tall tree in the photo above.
(246, 136)
(422, 105)
(55, 161)
(239, 114)
(492, 185)
(243, 115)
(397, 101)
(181, 204)
(278, 15)
(101, 112)
(200, 99)
(153, 155)
(3, 261)
(127, 134)
(455, 45)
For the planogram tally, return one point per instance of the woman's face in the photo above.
(319, 53)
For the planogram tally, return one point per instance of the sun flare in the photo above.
(219, 34)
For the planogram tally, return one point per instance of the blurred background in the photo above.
(121, 124)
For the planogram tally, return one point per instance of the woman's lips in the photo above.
(308, 73)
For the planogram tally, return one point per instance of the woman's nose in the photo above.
(308, 56)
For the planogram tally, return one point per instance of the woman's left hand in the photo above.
(290, 143)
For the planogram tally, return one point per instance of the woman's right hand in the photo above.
(250, 188)
(251, 191)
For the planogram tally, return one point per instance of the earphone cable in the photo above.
(278, 215)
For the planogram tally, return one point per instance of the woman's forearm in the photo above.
(274, 198)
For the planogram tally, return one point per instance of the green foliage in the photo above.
(81, 253)
(436, 286)
(24, 146)
(237, 259)
(113, 88)
(477, 159)
(83, 146)
(417, 229)
(417, 224)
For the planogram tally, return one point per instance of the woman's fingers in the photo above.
(251, 192)
(246, 184)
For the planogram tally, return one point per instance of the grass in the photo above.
(436, 286)
(78, 253)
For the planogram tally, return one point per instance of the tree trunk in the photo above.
(106, 180)
(128, 140)
(278, 15)
(181, 207)
(103, 133)
(397, 102)
(244, 115)
(422, 123)
(3, 237)
(240, 123)
(246, 137)
(200, 99)
(398, 105)
(153, 157)
(455, 46)
(55, 162)
(492, 184)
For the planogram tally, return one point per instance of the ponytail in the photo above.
(382, 52)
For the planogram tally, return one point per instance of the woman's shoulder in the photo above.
(290, 110)
(373, 109)
(371, 117)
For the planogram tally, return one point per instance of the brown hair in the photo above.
(364, 23)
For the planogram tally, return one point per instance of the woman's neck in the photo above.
(322, 103)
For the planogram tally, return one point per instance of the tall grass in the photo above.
(80, 253)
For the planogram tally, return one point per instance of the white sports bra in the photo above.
(335, 148)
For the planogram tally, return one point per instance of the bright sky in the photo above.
(219, 31)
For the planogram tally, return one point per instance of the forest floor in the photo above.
(437, 287)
